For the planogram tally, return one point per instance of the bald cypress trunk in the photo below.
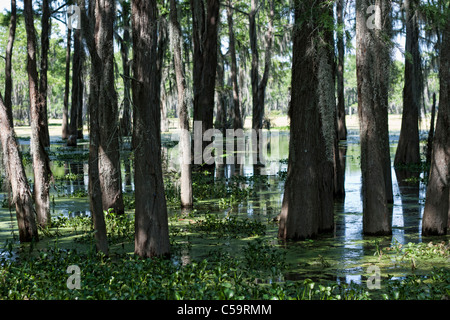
(437, 205)
(151, 222)
(408, 150)
(183, 115)
(372, 65)
(65, 117)
(41, 162)
(8, 63)
(308, 196)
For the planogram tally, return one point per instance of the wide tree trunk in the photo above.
(17, 180)
(12, 159)
(372, 65)
(408, 149)
(65, 117)
(151, 222)
(41, 162)
(437, 207)
(108, 151)
(183, 114)
(308, 196)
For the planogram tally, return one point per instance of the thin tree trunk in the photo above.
(151, 222)
(372, 65)
(431, 131)
(125, 122)
(77, 88)
(45, 44)
(259, 87)
(41, 165)
(65, 118)
(8, 64)
(408, 149)
(183, 115)
(341, 126)
(437, 204)
(236, 111)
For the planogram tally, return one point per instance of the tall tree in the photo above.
(205, 29)
(437, 208)
(76, 120)
(408, 149)
(65, 116)
(306, 211)
(8, 59)
(125, 42)
(341, 125)
(12, 159)
(372, 65)
(259, 86)
(45, 44)
(236, 110)
(41, 162)
(151, 222)
(183, 115)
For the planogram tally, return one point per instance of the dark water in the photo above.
(347, 250)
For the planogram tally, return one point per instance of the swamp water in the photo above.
(342, 256)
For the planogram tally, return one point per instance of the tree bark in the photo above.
(306, 211)
(108, 151)
(151, 222)
(76, 109)
(236, 110)
(8, 63)
(125, 41)
(205, 62)
(341, 126)
(45, 44)
(259, 87)
(372, 65)
(65, 118)
(437, 208)
(41, 165)
(183, 115)
(408, 149)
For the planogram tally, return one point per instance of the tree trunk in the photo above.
(341, 126)
(108, 151)
(437, 208)
(45, 44)
(183, 115)
(151, 222)
(431, 131)
(306, 211)
(236, 111)
(77, 88)
(65, 118)
(372, 65)
(205, 62)
(41, 165)
(125, 122)
(259, 87)
(8, 64)
(12, 159)
(408, 149)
